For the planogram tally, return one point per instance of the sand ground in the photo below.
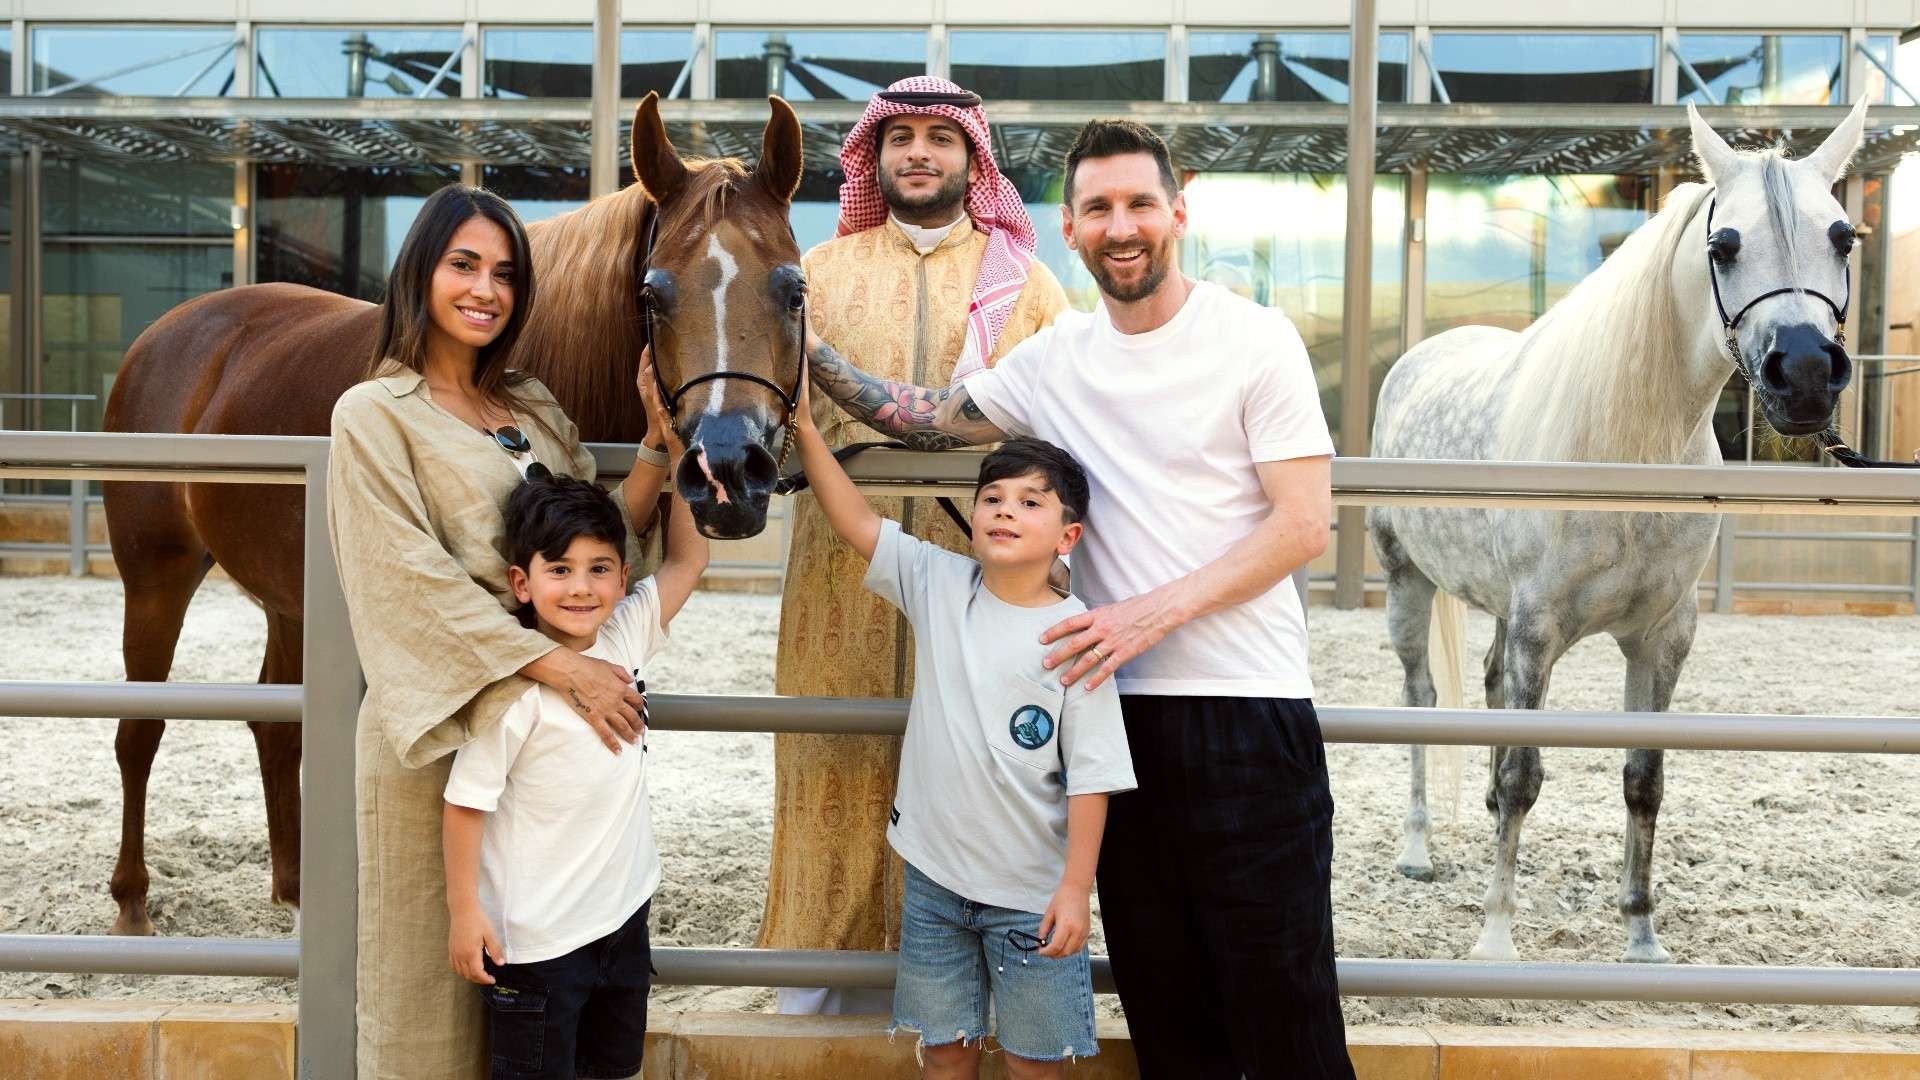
(1761, 858)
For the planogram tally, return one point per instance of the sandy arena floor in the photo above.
(1762, 859)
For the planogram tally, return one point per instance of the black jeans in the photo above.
(1214, 891)
(580, 1014)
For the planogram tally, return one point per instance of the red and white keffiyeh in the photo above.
(992, 202)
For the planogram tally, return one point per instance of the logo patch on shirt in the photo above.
(1031, 727)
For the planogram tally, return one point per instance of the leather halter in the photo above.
(1828, 439)
(671, 398)
(1730, 325)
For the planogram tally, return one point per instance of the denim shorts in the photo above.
(954, 951)
(581, 1014)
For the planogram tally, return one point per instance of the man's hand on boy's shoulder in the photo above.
(1064, 926)
(469, 935)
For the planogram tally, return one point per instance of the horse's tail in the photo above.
(1446, 660)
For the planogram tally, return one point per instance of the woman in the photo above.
(425, 454)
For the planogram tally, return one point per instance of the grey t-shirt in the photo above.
(995, 744)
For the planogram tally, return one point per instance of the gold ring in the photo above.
(1097, 654)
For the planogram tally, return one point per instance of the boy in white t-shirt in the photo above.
(1004, 774)
(551, 864)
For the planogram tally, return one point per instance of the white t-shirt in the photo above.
(994, 744)
(568, 853)
(1168, 425)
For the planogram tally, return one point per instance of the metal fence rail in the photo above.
(76, 549)
(1526, 485)
(328, 705)
(323, 957)
(1359, 977)
(1806, 734)
(1723, 586)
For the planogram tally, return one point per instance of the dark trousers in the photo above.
(581, 1014)
(1214, 891)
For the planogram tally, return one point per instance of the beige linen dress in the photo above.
(415, 502)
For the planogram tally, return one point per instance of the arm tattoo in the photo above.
(921, 418)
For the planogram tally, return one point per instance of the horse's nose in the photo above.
(726, 477)
(1803, 363)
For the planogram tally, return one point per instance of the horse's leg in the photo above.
(1496, 699)
(1653, 668)
(1409, 615)
(279, 749)
(1532, 646)
(1410, 606)
(159, 576)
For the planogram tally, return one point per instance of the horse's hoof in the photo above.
(1484, 951)
(1646, 954)
(1496, 943)
(1418, 871)
(132, 925)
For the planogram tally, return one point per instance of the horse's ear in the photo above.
(656, 164)
(781, 156)
(1830, 161)
(1717, 159)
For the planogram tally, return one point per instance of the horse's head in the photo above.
(1777, 247)
(727, 305)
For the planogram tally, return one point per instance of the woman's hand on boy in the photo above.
(470, 935)
(1064, 926)
(600, 692)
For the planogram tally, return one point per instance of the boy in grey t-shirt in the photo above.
(1004, 775)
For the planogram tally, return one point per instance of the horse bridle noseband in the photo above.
(671, 398)
(1828, 439)
(1730, 325)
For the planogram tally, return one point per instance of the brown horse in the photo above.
(272, 359)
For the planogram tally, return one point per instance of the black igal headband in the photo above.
(965, 99)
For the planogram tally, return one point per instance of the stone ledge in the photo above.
(144, 1040)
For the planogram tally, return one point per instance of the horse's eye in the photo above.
(1843, 237)
(797, 300)
(1723, 245)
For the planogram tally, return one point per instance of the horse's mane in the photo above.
(583, 337)
(1602, 376)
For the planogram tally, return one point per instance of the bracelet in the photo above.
(649, 456)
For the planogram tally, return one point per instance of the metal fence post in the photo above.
(1356, 308)
(1723, 567)
(1913, 565)
(329, 866)
(76, 509)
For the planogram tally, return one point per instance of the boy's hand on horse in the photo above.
(470, 934)
(658, 420)
(1064, 926)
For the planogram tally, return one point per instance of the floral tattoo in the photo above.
(921, 418)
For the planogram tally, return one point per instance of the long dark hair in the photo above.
(404, 316)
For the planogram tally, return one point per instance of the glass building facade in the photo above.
(116, 241)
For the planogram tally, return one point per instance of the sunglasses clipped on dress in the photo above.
(520, 449)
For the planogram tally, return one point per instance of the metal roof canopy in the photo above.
(1205, 136)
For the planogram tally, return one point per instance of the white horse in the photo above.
(1746, 273)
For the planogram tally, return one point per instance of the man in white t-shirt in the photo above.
(1197, 418)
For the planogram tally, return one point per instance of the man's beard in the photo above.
(948, 196)
(1157, 260)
